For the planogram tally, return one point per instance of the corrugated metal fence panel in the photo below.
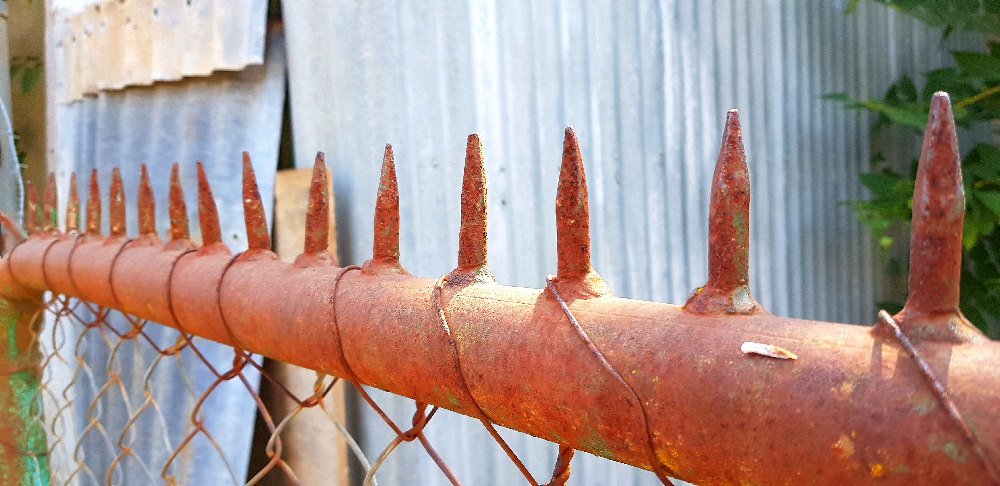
(647, 85)
(211, 119)
(154, 40)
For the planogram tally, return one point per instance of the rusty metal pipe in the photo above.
(852, 407)
(677, 392)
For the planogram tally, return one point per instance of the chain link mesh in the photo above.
(126, 401)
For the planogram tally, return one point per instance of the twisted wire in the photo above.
(655, 463)
(941, 394)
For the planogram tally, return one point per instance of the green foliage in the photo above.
(892, 200)
(30, 70)
(974, 87)
(982, 16)
(981, 280)
(892, 197)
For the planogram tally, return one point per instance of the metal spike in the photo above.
(73, 207)
(573, 223)
(472, 264)
(727, 290)
(94, 206)
(32, 218)
(317, 212)
(50, 211)
(572, 212)
(208, 214)
(386, 245)
(931, 309)
(176, 208)
(253, 209)
(472, 234)
(385, 250)
(146, 204)
(116, 206)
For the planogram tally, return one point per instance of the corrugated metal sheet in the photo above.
(111, 44)
(10, 173)
(647, 85)
(11, 194)
(211, 119)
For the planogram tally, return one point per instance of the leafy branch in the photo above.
(974, 87)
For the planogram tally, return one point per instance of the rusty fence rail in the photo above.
(717, 391)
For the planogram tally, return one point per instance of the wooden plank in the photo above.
(312, 446)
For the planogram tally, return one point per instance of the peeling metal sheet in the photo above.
(211, 119)
(646, 84)
(112, 44)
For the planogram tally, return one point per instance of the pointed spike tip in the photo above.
(572, 212)
(146, 203)
(50, 211)
(94, 206)
(386, 244)
(472, 234)
(253, 209)
(73, 206)
(32, 216)
(727, 290)
(177, 209)
(729, 212)
(116, 205)
(575, 276)
(208, 214)
(931, 308)
(317, 211)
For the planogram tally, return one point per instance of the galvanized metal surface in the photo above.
(647, 85)
(154, 40)
(619, 378)
(11, 196)
(210, 119)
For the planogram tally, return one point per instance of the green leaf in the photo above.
(851, 7)
(979, 222)
(958, 14)
(949, 80)
(30, 78)
(881, 185)
(980, 282)
(904, 91)
(898, 109)
(838, 97)
(990, 199)
(981, 166)
(911, 116)
(978, 65)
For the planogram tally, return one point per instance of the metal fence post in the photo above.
(23, 449)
